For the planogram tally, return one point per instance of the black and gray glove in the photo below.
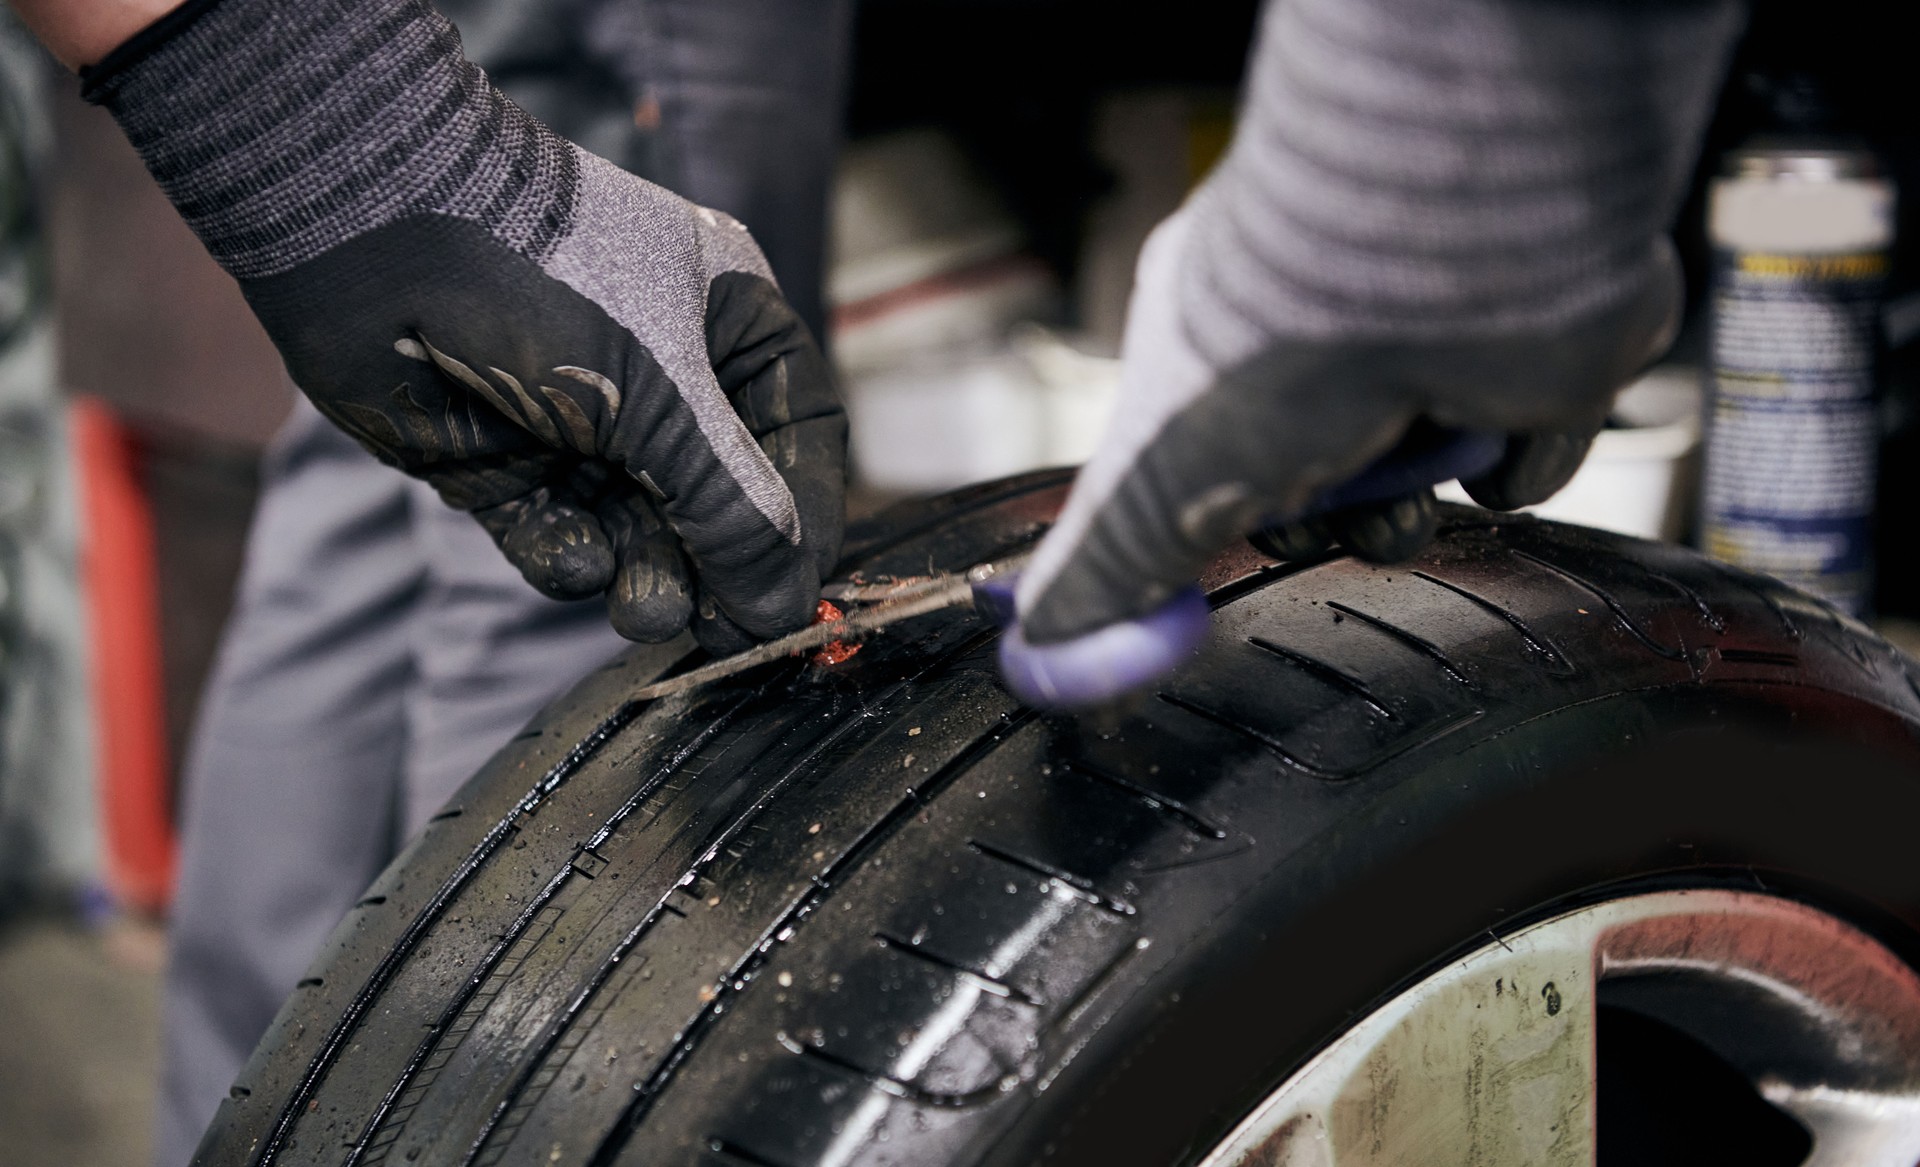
(603, 373)
(1435, 213)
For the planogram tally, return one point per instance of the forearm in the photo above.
(537, 333)
(1434, 170)
(81, 32)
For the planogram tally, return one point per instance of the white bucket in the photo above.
(959, 417)
(1638, 478)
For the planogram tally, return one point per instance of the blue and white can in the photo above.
(1801, 235)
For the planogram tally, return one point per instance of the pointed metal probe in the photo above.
(889, 603)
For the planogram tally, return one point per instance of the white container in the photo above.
(1077, 393)
(946, 423)
(1031, 402)
(1639, 476)
(960, 314)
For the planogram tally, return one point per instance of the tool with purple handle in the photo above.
(1092, 669)
(1110, 662)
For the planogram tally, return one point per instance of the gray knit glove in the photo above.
(602, 373)
(1435, 213)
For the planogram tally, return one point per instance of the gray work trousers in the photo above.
(380, 647)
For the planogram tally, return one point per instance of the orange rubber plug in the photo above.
(834, 651)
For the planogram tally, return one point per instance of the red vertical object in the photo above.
(129, 701)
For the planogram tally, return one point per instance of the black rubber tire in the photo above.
(880, 914)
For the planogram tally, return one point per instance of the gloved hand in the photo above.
(604, 374)
(1199, 458)
(1436, 213)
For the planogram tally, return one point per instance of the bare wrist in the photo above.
(82, 32)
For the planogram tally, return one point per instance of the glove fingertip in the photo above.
(714, 631)
(774, 608)
(1534, 470)
(1108, 662)
(651, 597)
(1390, 532)
(563, 553)
(1290, 542)
(644, 606)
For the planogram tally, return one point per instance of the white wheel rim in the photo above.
(1491, 1060)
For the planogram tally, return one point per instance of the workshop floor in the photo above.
(79, 1038)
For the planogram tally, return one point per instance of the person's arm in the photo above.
(1434, 212)
(81, 32)
(602, 373)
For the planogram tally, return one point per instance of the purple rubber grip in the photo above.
(1406, 468)
(1106, 663)
(1102, 665)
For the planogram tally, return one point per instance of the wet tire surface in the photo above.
(880, 913)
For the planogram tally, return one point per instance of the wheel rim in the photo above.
(1492, 1060)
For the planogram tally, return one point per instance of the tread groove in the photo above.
(445, 1036)
(1711, 618)
(390, 964)
(1255, 735)
(1728, 572)
(536, 906)
(1325, 673)
(861, 546)
(782, 930)
(991, 984)
(1247, 731)
(581, 1002)
(1613, 605)
(739, 1154)
(1079, 885)
(1255, 581)
(1419, 644)
(1537, 641)
(1171, 807)
(888, 1084)
(1099, 980)
(382, 1138)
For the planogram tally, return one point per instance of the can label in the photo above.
(1793, 430)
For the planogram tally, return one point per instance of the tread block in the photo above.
(920, 1030)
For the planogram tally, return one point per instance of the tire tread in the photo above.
(779, 962)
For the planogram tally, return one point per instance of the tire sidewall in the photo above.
(1778, 789)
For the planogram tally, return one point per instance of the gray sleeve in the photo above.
(748, 98)
(541, 54)
(1412, 170)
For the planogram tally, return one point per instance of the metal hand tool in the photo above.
(1129, 654)
(987, 586)
(1109, 662)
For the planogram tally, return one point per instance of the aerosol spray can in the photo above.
(1801, 232)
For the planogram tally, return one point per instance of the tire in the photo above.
(878, 913)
